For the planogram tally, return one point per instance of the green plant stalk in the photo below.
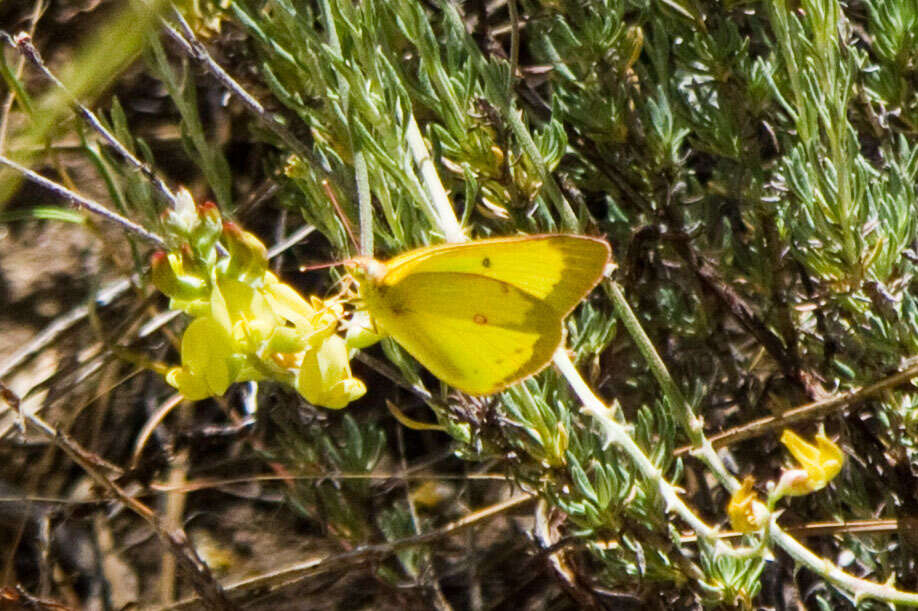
(859, 587)
(361, 175)
(837, 87)
(778, 13)
(617, 434)
(499, 96)
(806, 119)
(209, 159)
(568, 219)
(364, 203)
(693, 425)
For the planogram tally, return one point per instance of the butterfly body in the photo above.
(482, 315)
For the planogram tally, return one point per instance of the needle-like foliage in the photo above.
(753, 166)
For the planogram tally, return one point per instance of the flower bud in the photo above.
(182, 219)
(248, 257)
(325, 377)
(207, 231)
(169, 276)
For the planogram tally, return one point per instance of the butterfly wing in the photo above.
(476, 333)
(558, 269)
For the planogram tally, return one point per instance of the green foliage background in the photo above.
(753, 165)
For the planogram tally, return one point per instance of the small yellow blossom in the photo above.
(325, 375)
(818, 464)
(747, 513)
(207, 364)
(248, 257)
(244, 312)
(169, 276)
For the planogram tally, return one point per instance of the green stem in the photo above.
(361, 175)
(860, 588)
(705, 451)
(692, 424)
(498, 95)
(617, 434)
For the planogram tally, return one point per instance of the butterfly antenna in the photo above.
(344, 219)
(344, 285)
(310, 268)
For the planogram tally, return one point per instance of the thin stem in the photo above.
(82, 202)
(861, 588)
(810, 411)
(616, 433)
(37, 11)
(514, 43)
(24, 44)
(442, 209)
(497, 94)
(364, 203)
(193, 47)
(693, 425)
(294, 238)
(705, 451)
(361, 174)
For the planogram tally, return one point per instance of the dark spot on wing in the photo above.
(486, 262)
(480, 319)
(504, 288)
(398, 307)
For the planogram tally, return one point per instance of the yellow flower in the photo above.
(309, 318)
(818, 464)
(244, 313)
(248, 325)
(207, 361)
(747, 513)
(170, 277)
(248, 257)
(325, 376)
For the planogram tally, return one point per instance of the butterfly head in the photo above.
(367, 269)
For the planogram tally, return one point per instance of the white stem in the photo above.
(616, 433)
(442, 207)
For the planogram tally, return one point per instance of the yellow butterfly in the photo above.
(482, 315)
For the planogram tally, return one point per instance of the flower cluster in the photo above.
(818, 464)
(247, 324)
